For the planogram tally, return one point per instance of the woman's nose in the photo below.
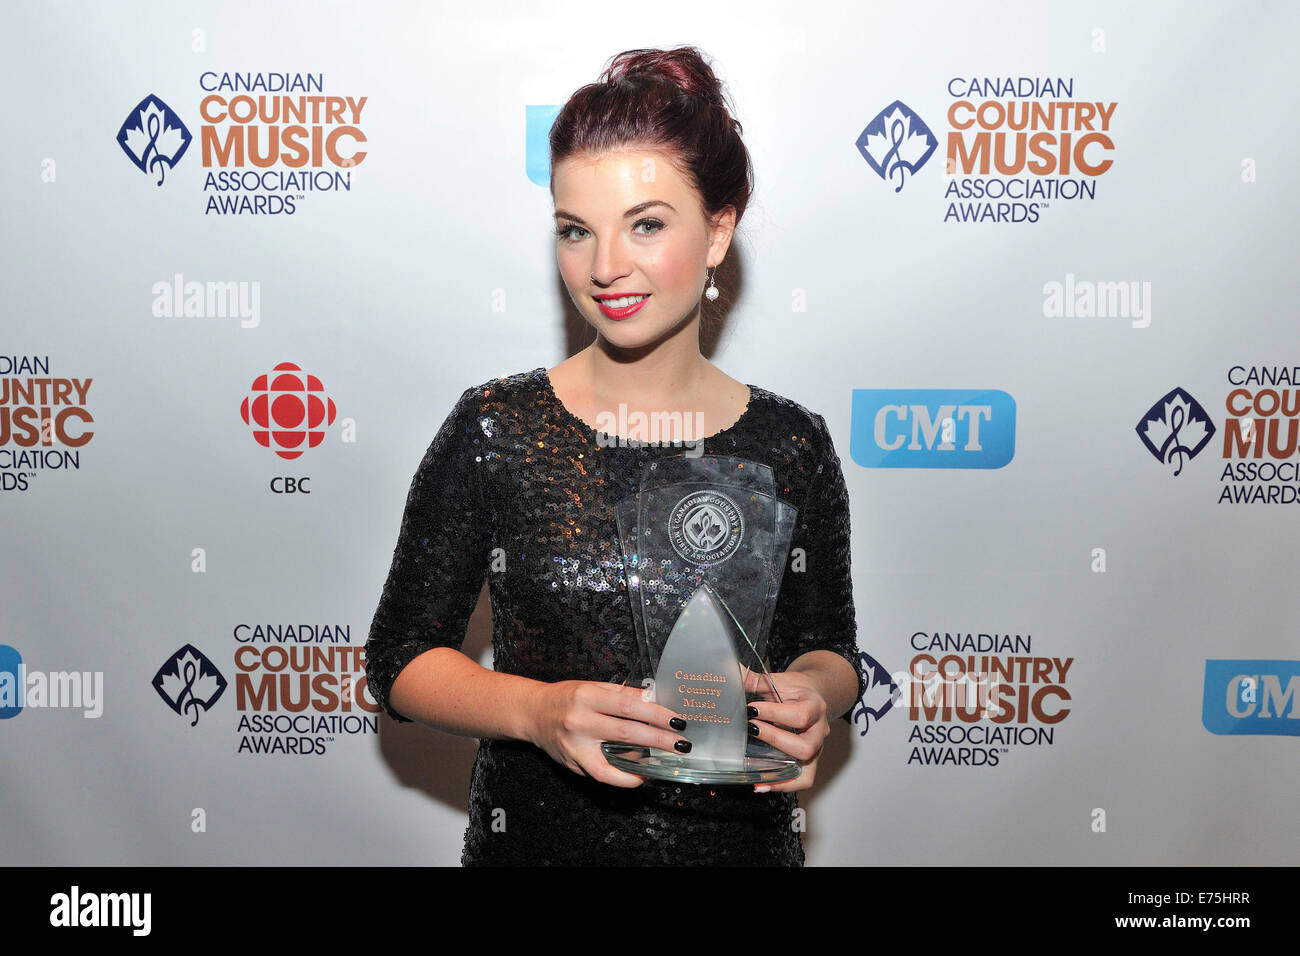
(609, 264)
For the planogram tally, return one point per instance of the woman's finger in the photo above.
(807, 774)
(630, 703)
(804, 747)
(756, 682)
(797, 716)
(598, 768)
(638, 734)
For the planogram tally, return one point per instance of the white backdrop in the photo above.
(173, 528)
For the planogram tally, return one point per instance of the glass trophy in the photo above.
(704, 543)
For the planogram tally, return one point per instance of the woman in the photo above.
(649, 179)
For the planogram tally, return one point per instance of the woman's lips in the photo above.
(621, 313)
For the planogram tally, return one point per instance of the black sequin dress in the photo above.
(512, 468)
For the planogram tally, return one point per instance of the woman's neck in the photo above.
(665, 378)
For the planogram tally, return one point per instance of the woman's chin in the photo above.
(631, 334)
(633, 340)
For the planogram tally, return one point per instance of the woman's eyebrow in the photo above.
(638, 208)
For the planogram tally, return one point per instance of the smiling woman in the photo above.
(642, 245)
(650, 179)
(671, 146)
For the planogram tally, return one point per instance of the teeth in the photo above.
(622, 303)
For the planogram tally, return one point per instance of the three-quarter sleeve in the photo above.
(814, 610)
(441, 558)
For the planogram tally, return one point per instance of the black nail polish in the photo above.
(677, 723)
(683, 746)
(753, 711)
(753, 729)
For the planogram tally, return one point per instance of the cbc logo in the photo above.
(290, 486)
(288, 410)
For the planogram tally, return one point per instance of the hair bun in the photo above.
(664, 99)
(683, 67)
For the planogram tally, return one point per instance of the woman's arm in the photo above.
(444, 689)
(569, 719)
(834, 678)
(415, 669)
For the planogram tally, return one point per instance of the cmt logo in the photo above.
(1252, 697)
(538, 121)
(153, 137)
(896, 144)
(932, 428)
(287, 408)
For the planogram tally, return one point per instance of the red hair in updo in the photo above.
(666, 100)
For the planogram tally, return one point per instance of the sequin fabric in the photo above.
(512, 468)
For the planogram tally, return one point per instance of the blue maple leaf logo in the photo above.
(897, 143)
(1175, 428)
(189, 683)
(153, 137)
(881, 691)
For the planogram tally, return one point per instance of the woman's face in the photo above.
(628, 224)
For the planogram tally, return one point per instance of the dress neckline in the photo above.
(541, 371)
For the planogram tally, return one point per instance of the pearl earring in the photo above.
(711, 293)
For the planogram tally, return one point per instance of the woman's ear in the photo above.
(721, 229)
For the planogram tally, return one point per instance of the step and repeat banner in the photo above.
(1034, 264)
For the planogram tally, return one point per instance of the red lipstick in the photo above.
(624, 312)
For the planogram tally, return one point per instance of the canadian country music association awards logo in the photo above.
(153, 137)
(971, 698)
(896, 144)
(1014, 145)
(189, 683)
(1175, 429)
(706, 527)
(266, 140)
(298, 688)
(879, 697)
(288, 410)
(1260, 434)
(45, 421)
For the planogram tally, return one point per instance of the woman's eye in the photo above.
(573, 232)
(565, 232)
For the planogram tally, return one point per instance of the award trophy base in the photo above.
(761, 764)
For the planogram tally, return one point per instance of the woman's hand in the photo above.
(797, 725)
(570, 719)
